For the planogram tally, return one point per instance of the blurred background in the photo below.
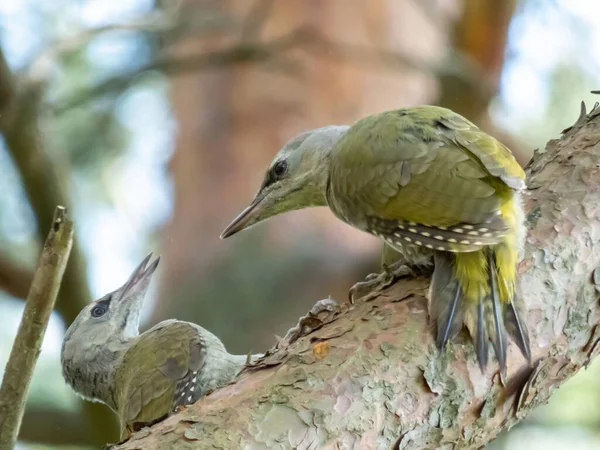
(154, 121)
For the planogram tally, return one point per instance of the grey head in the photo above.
(100, 333)
(296, 178)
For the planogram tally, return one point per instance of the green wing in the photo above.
(426, 168)
(157, 373)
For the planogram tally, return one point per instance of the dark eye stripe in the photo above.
(275, 173)
(105, 301)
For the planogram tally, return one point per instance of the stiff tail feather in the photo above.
(488, 317)
(445, 300)
(516, 327)
(496, 330)
(481, 339)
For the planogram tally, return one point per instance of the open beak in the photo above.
(142, 273)
(245, 219)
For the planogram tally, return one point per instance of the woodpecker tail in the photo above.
(477, 289)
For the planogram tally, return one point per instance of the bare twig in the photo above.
(239, 53)
(457, 64)
(43, 176)
(44, 181)
(27, 345)
(40, 65)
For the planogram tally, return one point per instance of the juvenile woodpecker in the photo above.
(432, 186)
(142, 378)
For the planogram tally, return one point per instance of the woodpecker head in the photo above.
(296, 178)
(114, 317)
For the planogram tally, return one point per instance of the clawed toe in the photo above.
(376, 282)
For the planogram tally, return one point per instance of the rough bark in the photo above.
(369, 376)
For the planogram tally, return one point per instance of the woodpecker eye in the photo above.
(99, 311)
(280, 168)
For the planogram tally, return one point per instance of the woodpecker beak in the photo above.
(126, 302)
(140, 278)
(248, 217)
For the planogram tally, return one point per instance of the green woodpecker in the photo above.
(432, 186)
(143, 378)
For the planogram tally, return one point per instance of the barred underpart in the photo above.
(187, 390)
(462, 237)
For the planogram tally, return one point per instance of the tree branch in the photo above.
(457, 65)
(42, 176)
(28, 342)
(44, 185)
(239, 53)
(39, 67)
(368, 376)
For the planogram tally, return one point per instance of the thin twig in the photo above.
(239, 53)
(40, 65)
(27, 345)
(271, 51)
(43, 174)
(45, 182)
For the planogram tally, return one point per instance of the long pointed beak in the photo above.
(141, 273)
(244, 219)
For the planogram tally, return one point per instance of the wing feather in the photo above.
(425, 164)
(153, 371)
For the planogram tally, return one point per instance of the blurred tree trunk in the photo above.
(479, 42)
(479, 39)
(233, 120)
(369, 376)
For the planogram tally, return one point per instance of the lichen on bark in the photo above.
(368, 376)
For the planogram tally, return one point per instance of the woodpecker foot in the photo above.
(376, 282)
(323, 312)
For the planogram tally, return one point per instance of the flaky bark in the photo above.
(369, 376)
